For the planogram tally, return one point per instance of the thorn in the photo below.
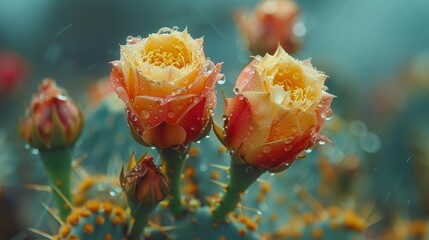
(259, 180)
(373, 219)
(38, 187)
(311, 201)
(81, 172)
(76, 163)
(220, 184)
(162, 229)
(67, 201)
(222, 167)
(367, 209)
(250, 209)
(41, 233)
(53, 214)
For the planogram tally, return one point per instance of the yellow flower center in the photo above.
(171, 52)
(292, 80)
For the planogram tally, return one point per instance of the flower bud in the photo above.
(144, 183)
(52, 120)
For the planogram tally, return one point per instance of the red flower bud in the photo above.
(52, 120)
(144, 182)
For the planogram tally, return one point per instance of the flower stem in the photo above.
(140, 213)
(241, 177)
(175, 162)
(57, 163)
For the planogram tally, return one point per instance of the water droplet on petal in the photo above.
(221, 80)
(145, 114)
(296, 76)
(327, 114)
(287, 148)
(266, 149)
(170, 114)
(236, 91)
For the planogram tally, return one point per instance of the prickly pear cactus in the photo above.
(154, 168)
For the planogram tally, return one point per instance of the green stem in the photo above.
(140, 214)
(57, 163)
(241, 177)
(175, 162)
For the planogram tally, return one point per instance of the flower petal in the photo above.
(285, 124)
(150, 110)
(239, 120)
(194, 120)
(275, 154)
(262, 113)
(165, 135)
(324, 111)
(249, 79)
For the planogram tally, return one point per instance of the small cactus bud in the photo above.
(144, 183)
(52, 119)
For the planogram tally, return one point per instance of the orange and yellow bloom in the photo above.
(168, 87)
(280, 107)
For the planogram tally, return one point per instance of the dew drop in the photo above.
(295, 129)
(145, 114)
(170, 114)
(236, 91)
(322, 142)
(308, 150)
(221, 80)
(327, 115)
(296, 76)
(62, 97)
(287, 148)
(249, 169)
(288, 140)
(266, 149)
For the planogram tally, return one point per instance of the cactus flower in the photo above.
(52, 119)
(269, 25)
(168, 87)
(144, 183)
(280, 107)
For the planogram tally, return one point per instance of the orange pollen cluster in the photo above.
(103, 210)
(179, 57)
(291, 79)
